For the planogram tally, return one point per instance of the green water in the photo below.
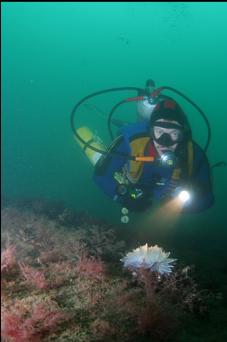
(53, 54)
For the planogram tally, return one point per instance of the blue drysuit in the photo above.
(156, 180)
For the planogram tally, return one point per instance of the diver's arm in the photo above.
(201, 187)
(107, 166)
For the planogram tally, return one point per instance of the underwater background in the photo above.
(54, 54)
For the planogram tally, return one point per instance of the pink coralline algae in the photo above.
(33, 277)
(8, 259)
(91, 267)
(56, 286)
(16, 327)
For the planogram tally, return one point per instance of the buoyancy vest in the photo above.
(139, 147)
(135, 140)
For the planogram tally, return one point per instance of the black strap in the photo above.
(88, 143)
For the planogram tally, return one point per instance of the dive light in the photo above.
(183, 195)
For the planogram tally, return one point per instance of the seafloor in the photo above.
(62, 280)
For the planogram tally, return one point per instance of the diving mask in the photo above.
(167, 133)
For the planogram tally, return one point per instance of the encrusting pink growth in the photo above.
(55, 273)
(8, 259)
(33, 277)
(11, 327)
(16, 328)
(91, 267)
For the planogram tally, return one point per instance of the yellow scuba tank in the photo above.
(86, 134)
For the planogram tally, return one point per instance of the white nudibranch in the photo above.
(153, 258)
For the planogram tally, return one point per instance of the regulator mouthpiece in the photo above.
(168, 159)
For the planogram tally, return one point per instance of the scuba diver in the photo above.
(153, 159)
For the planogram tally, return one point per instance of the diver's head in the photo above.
(169, 127)
(167, 134)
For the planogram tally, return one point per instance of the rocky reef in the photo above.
(63, 280)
